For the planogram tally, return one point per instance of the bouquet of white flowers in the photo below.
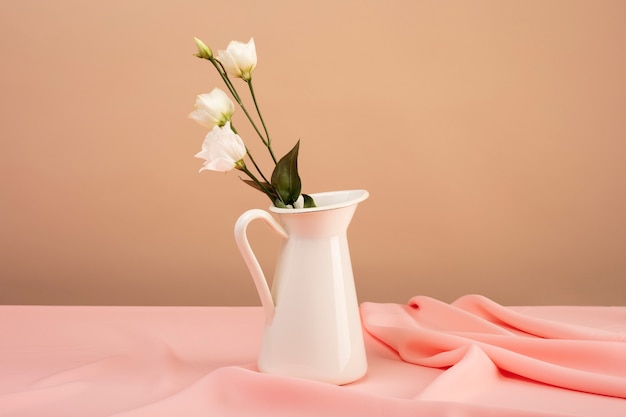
(223, 149)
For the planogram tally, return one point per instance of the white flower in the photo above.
(222, 149)
(214, 108)
(239, 59)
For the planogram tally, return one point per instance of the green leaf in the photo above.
(308, 201)
(285, 178)
(279, 203)
(268, 190)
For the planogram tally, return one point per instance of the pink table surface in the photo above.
(472, 357)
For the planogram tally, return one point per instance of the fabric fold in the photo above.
(474, 374)
(514, 318)
(234, 391)
(429, 332)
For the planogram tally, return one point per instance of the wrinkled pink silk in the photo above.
(469, 358)
(428, 332)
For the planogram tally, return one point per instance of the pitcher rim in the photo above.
(359, 196)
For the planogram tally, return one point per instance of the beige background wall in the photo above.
(490, 134)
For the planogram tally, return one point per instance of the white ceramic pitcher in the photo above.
(313, 327)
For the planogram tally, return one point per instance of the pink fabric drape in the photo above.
(470, 358)
(428, 332)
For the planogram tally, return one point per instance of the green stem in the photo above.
(250, 156)
(220, 69)
(267, 135)
(222, 72)
(256, 166)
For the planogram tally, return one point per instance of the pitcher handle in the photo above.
(250, 259)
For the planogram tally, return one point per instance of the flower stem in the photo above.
(268, 143)
(220, 69)
(222, 72)
(255, 165)
(250, 156)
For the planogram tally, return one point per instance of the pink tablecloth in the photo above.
(427, 358)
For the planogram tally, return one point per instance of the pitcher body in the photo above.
(313, 327)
